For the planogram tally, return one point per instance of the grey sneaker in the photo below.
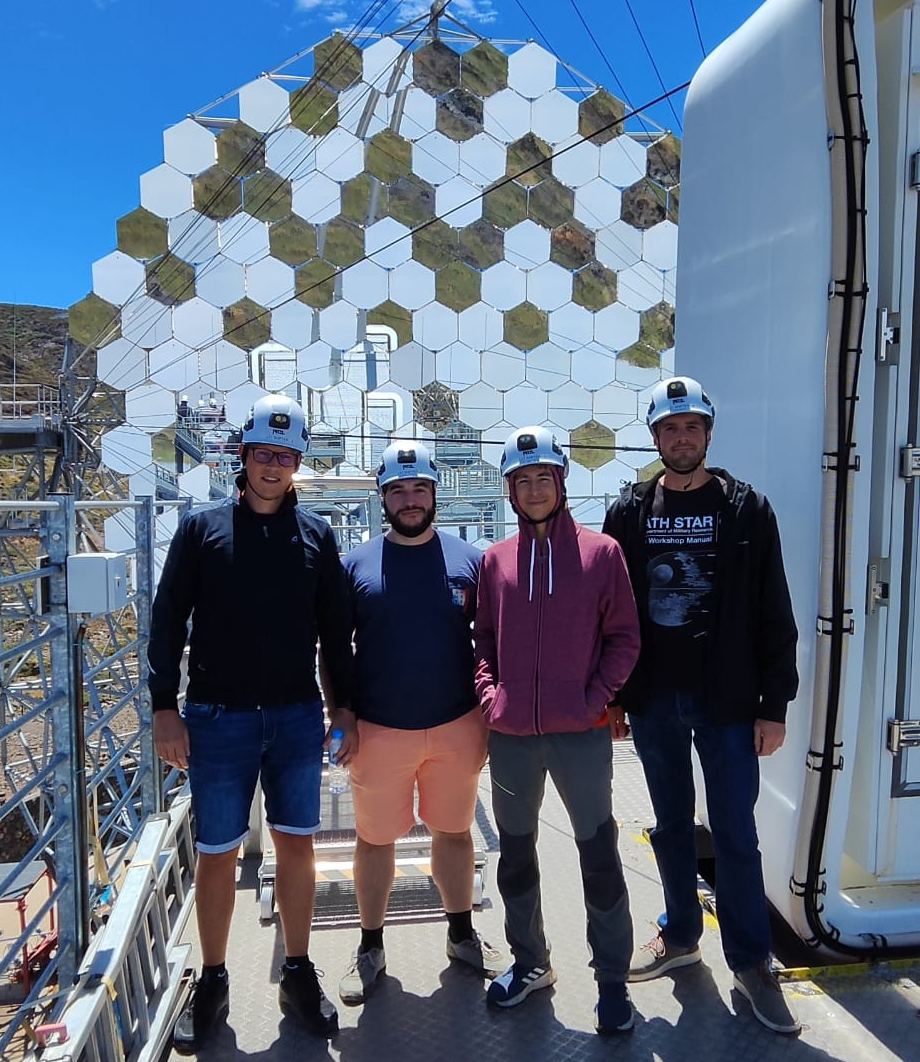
(479, 954)
(359, 981)
(762, 990)
(657, 957)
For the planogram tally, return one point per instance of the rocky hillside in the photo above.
(35, 336)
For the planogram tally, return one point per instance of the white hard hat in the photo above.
(679, 394)
(406, 459)
(278, 421)
(532, 445)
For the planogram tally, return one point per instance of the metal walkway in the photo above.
(426, 1008)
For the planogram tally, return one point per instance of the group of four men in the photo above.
(560, 651)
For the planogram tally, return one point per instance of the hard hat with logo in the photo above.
(532, 445)
(278, 421)
(406, 459)
(680, 394)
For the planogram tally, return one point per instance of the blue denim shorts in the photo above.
(229, 750)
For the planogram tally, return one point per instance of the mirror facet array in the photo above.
(443, 241)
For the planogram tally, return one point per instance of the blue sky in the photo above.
(88, 87)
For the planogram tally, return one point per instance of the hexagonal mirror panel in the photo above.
(446, 237)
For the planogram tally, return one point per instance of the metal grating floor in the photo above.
(428, 1009)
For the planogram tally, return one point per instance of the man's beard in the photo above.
(684, 463)
(412, 530)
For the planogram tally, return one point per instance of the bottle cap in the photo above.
(338, 734)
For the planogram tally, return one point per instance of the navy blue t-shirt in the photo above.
(412, 610)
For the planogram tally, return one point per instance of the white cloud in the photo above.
(473, 10)
(482, 11)
(409, 9)
(463, 10)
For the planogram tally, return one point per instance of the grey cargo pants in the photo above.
(580, 766)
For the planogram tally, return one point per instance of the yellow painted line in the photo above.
(800, 974)
(854, 969)
(414, 870)
(335, 875)
(707, 896)
(345, 871)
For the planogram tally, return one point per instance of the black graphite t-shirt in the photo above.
(412, 607)
(681, 537)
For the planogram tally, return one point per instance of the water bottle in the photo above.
(339, 781)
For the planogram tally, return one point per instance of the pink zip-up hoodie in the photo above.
(556, 629)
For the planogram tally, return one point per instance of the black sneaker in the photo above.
(614, 1012)
(301, 997)
(516, 984)
(209, 1001)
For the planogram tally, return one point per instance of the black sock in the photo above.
(371, 938)
(207, 972)
(460, 925)
(295, 962)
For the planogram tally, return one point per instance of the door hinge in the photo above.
(913, 172)
(910, 461)
(876, 586)
(887, 336)
(903, 734)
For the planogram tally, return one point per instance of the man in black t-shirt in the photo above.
(717, 668)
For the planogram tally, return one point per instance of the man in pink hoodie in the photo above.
(557, 635)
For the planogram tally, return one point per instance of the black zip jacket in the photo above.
(259, 588)
(751, 671)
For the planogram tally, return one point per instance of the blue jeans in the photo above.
(662, 736)
(230, 750)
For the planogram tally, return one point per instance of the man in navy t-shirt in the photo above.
(418, 723)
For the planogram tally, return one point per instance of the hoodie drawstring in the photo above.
(549, 543)
(533, 557)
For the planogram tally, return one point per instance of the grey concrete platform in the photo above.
(427, 1008)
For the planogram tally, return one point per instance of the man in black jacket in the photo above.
(261, 578)
(717, 667)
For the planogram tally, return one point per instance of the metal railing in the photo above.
(30, 401)
(76, 746)
(131, 982)
(355, 511)
(78, 765)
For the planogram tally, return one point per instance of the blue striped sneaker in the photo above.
(516, 984)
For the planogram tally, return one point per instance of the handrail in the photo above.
(43, 669)
(130, 984)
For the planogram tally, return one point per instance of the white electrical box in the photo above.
(96, 582)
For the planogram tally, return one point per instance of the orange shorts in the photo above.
(445, 761)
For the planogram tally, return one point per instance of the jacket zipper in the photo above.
(536, 677)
